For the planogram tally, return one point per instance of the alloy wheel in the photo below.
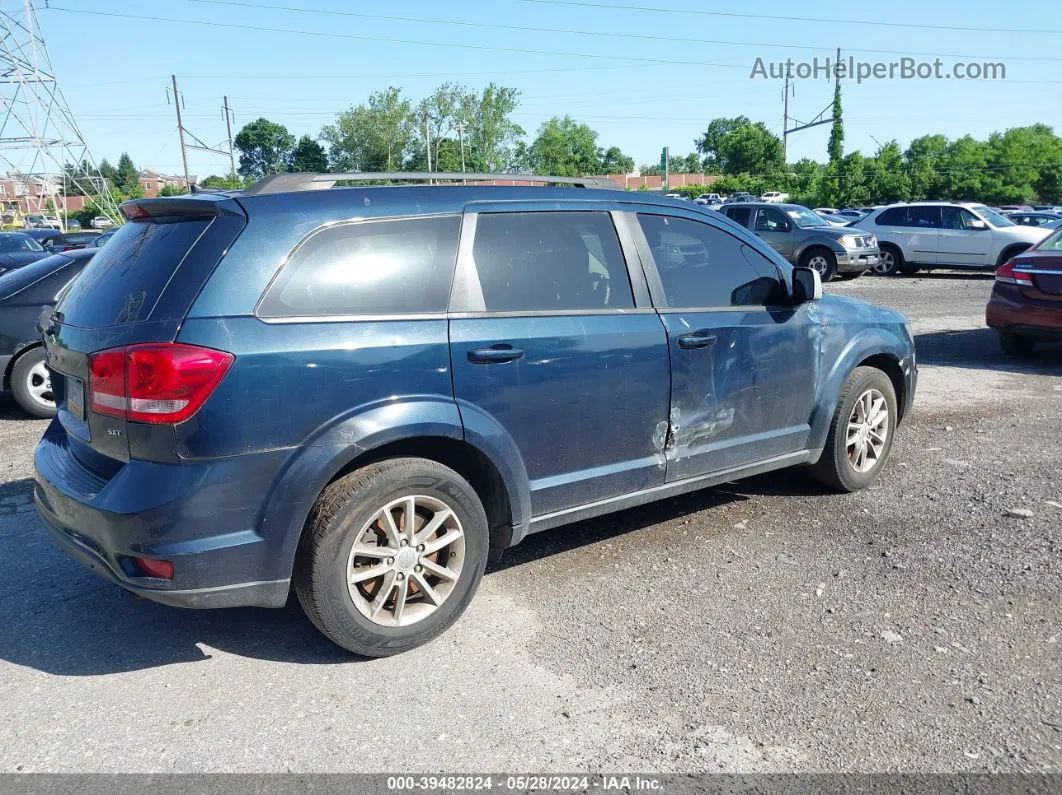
(868, 428)
(405, 561)
(885, 265)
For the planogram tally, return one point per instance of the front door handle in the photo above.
(698, 339)
(496, 354)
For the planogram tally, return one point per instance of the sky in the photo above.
(643, 73)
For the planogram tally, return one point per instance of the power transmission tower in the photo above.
(224, 148)
(39, 136)
(820, 119)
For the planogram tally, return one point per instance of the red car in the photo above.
(1026, 302)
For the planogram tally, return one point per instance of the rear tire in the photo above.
(434, 578)
(860, 437)
(31, 384)
(1016, 344)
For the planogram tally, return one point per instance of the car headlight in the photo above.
(848, 241)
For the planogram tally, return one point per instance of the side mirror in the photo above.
(807, 285)
(977, 223)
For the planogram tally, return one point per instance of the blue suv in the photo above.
(366, 393)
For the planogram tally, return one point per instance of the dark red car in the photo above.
(1026, 302)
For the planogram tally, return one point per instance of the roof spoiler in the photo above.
(303, 181)
(171, 206)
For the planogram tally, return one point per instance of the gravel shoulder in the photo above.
(759, 626)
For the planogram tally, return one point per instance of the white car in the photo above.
(945, 235)
(825, 211)
(709, 198)
(102, 222)
(774, 197)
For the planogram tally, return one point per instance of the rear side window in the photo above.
(402, 266)
(123, 281)
(739, 215)
(924, 217)
(550, 261)
(895, 216)
(701, 266)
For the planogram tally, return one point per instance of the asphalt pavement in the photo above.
(760, 626)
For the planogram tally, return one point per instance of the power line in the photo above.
(790, 18)
(355, 37)
(601, 34)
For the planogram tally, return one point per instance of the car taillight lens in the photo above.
(155, 383)
(1007, 275)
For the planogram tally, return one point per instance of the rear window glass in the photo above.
(402, 266)
(124, 280)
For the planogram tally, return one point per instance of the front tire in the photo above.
(861, 432)
(890, 262)
(822, 260)
(31, 384)
(391, 556)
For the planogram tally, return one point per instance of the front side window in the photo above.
(703, 267)
(769, 220)
(542, 261)
(956, 218)
(402, 266)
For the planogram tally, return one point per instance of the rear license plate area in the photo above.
(75, 397)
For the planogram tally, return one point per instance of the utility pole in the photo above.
(228, 130)
(461, 139)
(427, 139)
(180, 129)
(785, 120)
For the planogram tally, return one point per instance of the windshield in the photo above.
(993, 217)
(805, 217)
(10, 244)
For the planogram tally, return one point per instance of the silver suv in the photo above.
(807, 239)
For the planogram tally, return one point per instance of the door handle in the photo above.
(496, 354)
(698, 339)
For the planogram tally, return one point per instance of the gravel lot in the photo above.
(761, 626)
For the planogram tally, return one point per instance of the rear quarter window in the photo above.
(401, 266)
(124, 280)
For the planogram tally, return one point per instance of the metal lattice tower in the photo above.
(38, 133)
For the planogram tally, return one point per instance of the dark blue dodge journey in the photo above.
(366, 393)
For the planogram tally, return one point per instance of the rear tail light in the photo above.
(158, 383)
(1007, 275)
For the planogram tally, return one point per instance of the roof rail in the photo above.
(284, 183)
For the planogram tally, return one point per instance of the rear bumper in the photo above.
(1009, 310)
(201, 516)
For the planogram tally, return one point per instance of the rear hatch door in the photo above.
(137, 289)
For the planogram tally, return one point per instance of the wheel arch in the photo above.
(433, 431)
(872, 348)
(1011, 251)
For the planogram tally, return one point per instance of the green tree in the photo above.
(613, 161)
(228, 182)
(887, 178)
(491, 133)
(265, 148)
(127, 177)
(964, 175)
(375, 136)
(736, 146)
(924, 158)
(443, 111)
(835, 148)
(309, 155)
(566, 148)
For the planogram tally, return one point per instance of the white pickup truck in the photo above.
(774, 197)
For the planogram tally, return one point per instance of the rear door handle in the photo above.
(698, 339)
(496, 354)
